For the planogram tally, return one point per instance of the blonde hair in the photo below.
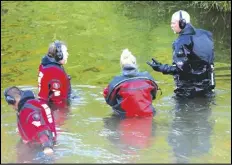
(185, 15)
(127, 58)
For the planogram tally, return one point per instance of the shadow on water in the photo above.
(130, 135)
(87, 135)
(191, 128)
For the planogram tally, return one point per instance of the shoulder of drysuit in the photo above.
(139, 75)
(184, 37)
(146, 75)
(28, 98)
(31, 111)
(188, 30)
(203, 31)
(48, 64)
(34, 104)
(25, 97)
(185, 34)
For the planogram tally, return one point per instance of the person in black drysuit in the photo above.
(193, 59)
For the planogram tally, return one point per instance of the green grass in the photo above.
(95, 33)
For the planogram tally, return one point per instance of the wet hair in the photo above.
(127, 58)
(52, 49)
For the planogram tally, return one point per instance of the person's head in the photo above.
(13, 96)
(179, 20)
(127, 58)
(59, 51)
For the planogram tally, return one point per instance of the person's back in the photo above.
(54, 83)
(131, 93)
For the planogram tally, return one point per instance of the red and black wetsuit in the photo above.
(35, 121)
(54, 83)
(131, 93)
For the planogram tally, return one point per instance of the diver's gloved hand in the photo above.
(155, 65)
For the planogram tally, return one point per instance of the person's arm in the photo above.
(43, 86)
(110, 98)
(48, 85)
(154, 90)
(168, 69)
(164, 68)
(46, 141)
(154, 85)
(182, 51)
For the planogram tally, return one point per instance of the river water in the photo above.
(183, 131)
(186, 131)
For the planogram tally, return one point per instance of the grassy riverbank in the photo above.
(94, 31)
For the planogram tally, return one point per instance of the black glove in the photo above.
(155, 65)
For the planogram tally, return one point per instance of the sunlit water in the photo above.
(186, 131)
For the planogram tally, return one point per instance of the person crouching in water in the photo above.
(54, 84)
(131, 93)
(35, 119)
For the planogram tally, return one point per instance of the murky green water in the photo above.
(196, 131)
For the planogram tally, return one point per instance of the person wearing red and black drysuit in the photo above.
(131, 93)
(35, 119)
(53, 82)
